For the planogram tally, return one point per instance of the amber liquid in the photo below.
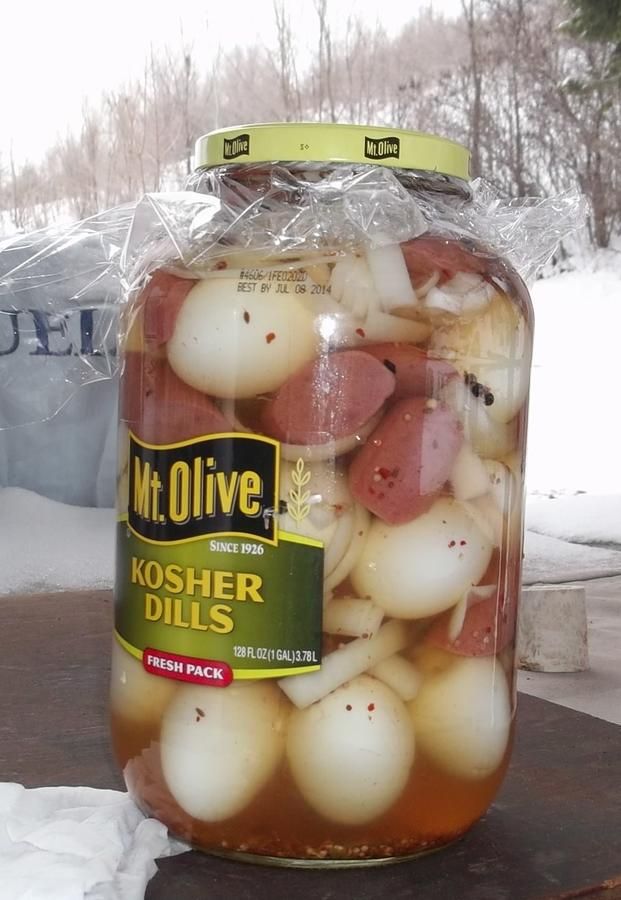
(434, 809)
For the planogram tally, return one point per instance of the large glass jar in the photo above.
(323, 419)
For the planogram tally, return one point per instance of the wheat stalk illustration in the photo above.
(298, 506)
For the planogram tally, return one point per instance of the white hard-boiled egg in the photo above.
(220, 746)
(351, 753)
(136, 694)
(230, 343)
(423, 567)
(462, 716)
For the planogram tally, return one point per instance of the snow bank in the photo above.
(583, 518)
(50, 546)
(548, 560)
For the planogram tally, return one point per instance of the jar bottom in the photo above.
(284, 862)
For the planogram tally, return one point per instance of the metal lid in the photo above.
(319, 142)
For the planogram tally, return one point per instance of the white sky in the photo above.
(56, 54)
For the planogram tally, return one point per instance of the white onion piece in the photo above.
(400, 675)
(344, 664)
(494, 346)
(362, 521)
(470, 477)
(488, 438)
(488, 516)
(319, 273)
(340, 541)
(438, 300)
(458, 615)
(331, 449)
(391, 277)
(352, 616)
(228, 407)
(424, 289)
(352, 286)
(465, 294)
(379, 327)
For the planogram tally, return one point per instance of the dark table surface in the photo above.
(554, 831)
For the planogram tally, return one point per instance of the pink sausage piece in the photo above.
(431, 253)
(488, 627)
(416, 374)
(162, 299)
(160, 408)
(329, 398)
(406, 461)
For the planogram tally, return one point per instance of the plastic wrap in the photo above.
(275, 210)
(61, 288)
(59, 298)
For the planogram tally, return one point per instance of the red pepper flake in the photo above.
(371, 707)
(463, 543)
(270, 336)
(246, 316)
(385, 473)
(348, 707)
(360, 332)
(221, 264)
(451, 543)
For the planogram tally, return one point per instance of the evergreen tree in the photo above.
(600, 21)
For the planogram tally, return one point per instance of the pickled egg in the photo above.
(219, 746)
(351, 753)
(462, 717)
(495, 347)
(424, 566)
(136, 694)
(235, 344)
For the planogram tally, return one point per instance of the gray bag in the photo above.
(59, 292)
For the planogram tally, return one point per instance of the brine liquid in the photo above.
(434, 809)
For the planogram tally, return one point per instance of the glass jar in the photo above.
(323, 419)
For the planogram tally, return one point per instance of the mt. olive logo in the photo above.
(382, 148)
(237, 146)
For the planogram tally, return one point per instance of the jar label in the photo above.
(204, 573)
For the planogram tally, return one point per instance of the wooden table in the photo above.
(554, 832)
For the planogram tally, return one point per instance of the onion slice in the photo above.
(345, 663)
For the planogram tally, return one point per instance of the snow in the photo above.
(548, 560)
(583, 518)
(573, 473)
(51, 546)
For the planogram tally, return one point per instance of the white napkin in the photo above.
(77, 843)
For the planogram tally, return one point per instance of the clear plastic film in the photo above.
(61, 288)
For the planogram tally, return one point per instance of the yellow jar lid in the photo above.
(319, 142)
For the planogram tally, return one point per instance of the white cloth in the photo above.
(77, 843)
